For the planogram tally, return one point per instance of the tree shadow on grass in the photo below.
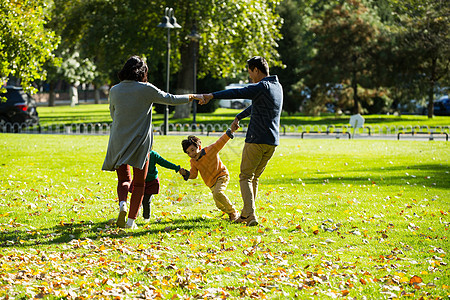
(65, 232)
(435, 175)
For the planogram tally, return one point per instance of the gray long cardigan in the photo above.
(130, 106)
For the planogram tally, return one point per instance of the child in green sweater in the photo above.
(152, 180)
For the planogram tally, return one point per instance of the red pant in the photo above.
(123, 185)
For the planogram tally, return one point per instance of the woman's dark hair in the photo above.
(191, 140)
(258, 62)
(134, 69)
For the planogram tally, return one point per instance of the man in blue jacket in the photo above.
(263, 130)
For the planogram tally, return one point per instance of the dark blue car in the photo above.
(442, 107)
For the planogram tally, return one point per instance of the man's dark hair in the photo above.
(258, 62)
(134, 69)
(191, 140)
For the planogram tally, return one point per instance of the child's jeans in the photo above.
(146, 206)
(222, 201)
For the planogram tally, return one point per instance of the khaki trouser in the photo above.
(218, 191)
(254, 160)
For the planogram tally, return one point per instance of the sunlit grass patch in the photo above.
(338, 218)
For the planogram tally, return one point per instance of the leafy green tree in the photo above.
(76, 71)
(294, 48)
(347, 38)
(231, 32)
(109, 31)
(424, 44)
(25, 43)
(298, 50)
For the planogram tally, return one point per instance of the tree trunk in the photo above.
(96, 95)
(355, 94)
(51, 94)
(73, 94)
(356, 109)
(431, 89)
(185, 80)
(430, 108)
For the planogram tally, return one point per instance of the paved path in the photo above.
(403, 137)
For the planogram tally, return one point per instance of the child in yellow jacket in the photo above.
(214, 173)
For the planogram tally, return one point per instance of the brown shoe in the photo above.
(249, 221)
(233, 216)
(240, 220)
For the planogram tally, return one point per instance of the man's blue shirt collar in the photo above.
(270, 78)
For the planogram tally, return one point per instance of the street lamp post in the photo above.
(194, 37)
(168, 21)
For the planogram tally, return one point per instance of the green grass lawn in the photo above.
(100, 114)
(338, 219)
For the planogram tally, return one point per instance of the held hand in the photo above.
(206, 99)
(186, 174)
(196, 97)
(235, 125)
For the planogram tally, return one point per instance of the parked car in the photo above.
(412, 107)
(235, 103)
(441, 107)
(17, 108)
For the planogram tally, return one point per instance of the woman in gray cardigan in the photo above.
(130, 140)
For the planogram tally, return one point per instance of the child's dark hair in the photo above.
(191, 140)
(258, 62)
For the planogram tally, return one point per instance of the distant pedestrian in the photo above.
(130, 140)
(263, 130)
